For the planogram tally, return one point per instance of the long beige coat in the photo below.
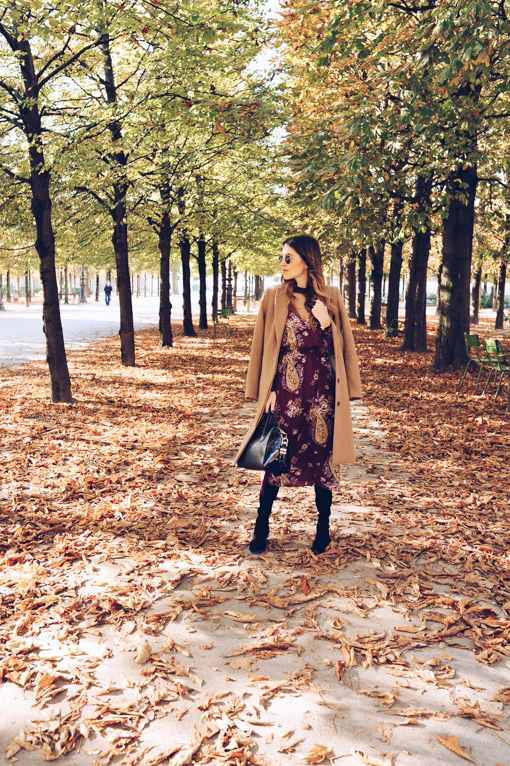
(265, 350)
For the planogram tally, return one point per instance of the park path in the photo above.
(22, 338)
(146, 633)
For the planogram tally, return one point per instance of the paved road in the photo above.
(22, 338)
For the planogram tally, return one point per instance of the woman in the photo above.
(300, 326)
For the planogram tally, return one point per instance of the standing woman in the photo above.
(300, 326)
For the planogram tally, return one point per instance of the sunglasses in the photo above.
(285, 259)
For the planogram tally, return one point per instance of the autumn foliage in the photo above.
(125, 530)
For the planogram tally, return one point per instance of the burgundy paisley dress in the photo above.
(305, 390)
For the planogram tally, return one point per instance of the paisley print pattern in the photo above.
(305, 388)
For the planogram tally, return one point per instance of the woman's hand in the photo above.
(320, 312)
(271, 401)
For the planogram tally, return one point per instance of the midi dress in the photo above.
(305, 388)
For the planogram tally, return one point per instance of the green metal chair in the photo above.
(223, 320)
(392, 330)
(498, 363)
(473, 342)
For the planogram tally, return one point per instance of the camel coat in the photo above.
(265, 350)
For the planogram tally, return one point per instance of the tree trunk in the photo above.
(187, 322)
(118, 160)
(500, 311)
(351, 285)
(45, 238)
(394, 284)
(27, 287)
(377, 259)
(223, 285)
(8, 293)
(456, 274)
(165, 306)
(415, 330)
(215, 269)
(97, 287)
(475, 296)
(362, 284)
(202, 275)
(228, 299)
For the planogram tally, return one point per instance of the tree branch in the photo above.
(14, 176)
(86, 190)
(67, 63)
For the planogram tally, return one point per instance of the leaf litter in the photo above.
(124, 532)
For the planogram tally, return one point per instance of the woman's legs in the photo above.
(266, 499)
(323, 498)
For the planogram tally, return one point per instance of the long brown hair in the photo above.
(308, 248)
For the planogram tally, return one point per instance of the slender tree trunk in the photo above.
(475, 296)
(415, 331)
(456, 275)
(362, 284)
(27, 288)
(223, 284)
(228, 283)
(45, 238)
(393, 299)
(164, 242)
(351, 285)
(215, 270)
(185, 248)
(439, 280)
(118, 161)
(377, 259)
(8, 293)
(97, 287)
(202, 275)
(234, 290)
(500, 311)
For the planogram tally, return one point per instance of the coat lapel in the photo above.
(281, 309)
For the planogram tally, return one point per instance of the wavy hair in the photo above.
(308, 248)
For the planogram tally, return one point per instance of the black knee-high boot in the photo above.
(323, 499)
(266, 499)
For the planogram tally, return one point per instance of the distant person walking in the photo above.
(107, 293)
(302, 326)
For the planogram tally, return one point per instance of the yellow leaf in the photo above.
(452, 744)
(317, 754)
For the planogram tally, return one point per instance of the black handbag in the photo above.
(268, 448)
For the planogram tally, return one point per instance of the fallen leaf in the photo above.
(452, 744)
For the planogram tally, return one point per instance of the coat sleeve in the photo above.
(257, 349)
(350, 356)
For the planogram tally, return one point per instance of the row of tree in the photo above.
(137, 124)
(398, 116)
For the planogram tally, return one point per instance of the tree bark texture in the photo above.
(475, 296)
(215, 270)
(362, 284)
(187, 322)
(202, 275)
(165, 306)
(415, 329)
(377, 259)
(500, 296)
(223, 285)
(351, 286)
(394, 284)
(456, 273)
(118, 161)
(45, 238)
